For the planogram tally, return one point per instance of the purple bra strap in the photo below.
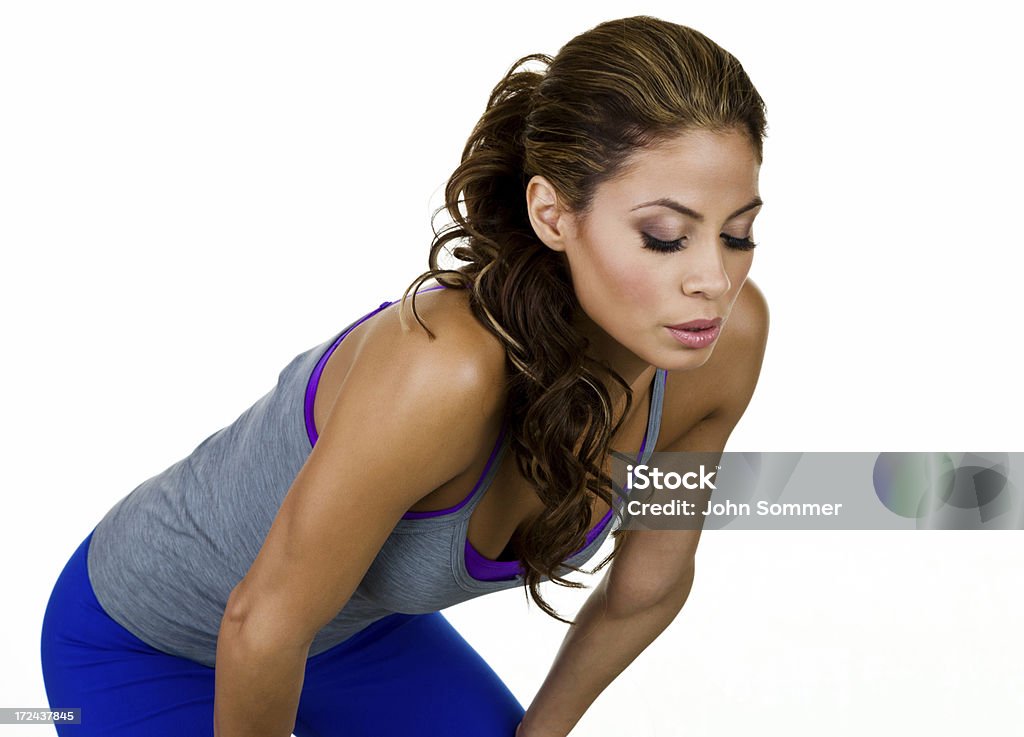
(485, 569)
(314, 378)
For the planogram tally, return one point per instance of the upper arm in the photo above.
(650, 565)
(407, 418)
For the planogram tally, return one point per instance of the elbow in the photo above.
(679, 592)
(233, 621)
(257, 631)
(640, 594)
(235, 630)
(251, 641)
(235, 609)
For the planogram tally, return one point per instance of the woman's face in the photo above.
(665, 243)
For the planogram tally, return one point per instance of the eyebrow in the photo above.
(681, 208)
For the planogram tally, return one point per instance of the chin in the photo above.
(685, 359)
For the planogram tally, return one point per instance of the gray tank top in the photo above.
(164, 559)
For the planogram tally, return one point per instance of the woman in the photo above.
(288, 574)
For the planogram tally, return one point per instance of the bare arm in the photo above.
(644, 589)
(408, 418)
(602, 643)
(652, 574)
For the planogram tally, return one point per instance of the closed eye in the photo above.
(740, 244)
(654, 244)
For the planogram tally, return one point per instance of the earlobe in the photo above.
(547, 216)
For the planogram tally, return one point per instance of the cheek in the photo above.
(635, 287)
(613, 280)
(619, 282)
(738, 275)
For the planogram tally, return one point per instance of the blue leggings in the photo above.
(404, 675)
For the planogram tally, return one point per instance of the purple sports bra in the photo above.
(479, 567)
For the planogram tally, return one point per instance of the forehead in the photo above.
(697, 166)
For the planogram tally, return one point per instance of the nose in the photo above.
(704, 271)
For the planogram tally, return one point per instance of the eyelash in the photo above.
(653, 244)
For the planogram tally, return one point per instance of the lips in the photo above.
(695, 325)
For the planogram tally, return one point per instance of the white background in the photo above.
(191, 193)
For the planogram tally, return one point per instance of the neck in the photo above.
(637, 372)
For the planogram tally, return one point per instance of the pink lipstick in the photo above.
(696, 333)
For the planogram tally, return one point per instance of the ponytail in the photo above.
(521, 291)
(620, 86)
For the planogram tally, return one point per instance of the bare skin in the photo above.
(628, 294)
(370, 404)
(667, 241)
(510, 503)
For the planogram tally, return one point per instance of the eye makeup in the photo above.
(654, 244)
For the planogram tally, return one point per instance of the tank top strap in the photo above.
(650, 441)
(464, 508)
(468, 504)
(654, 419)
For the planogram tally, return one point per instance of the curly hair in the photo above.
(623, 85)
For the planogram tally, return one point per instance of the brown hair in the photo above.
(624, 85)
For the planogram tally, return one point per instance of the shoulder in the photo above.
(462, 356)
(749, 320)
(722, 387)
(391, 378)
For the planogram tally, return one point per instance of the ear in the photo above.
(551, 220)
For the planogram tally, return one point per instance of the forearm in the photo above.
(601, 644)
(257, 688)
